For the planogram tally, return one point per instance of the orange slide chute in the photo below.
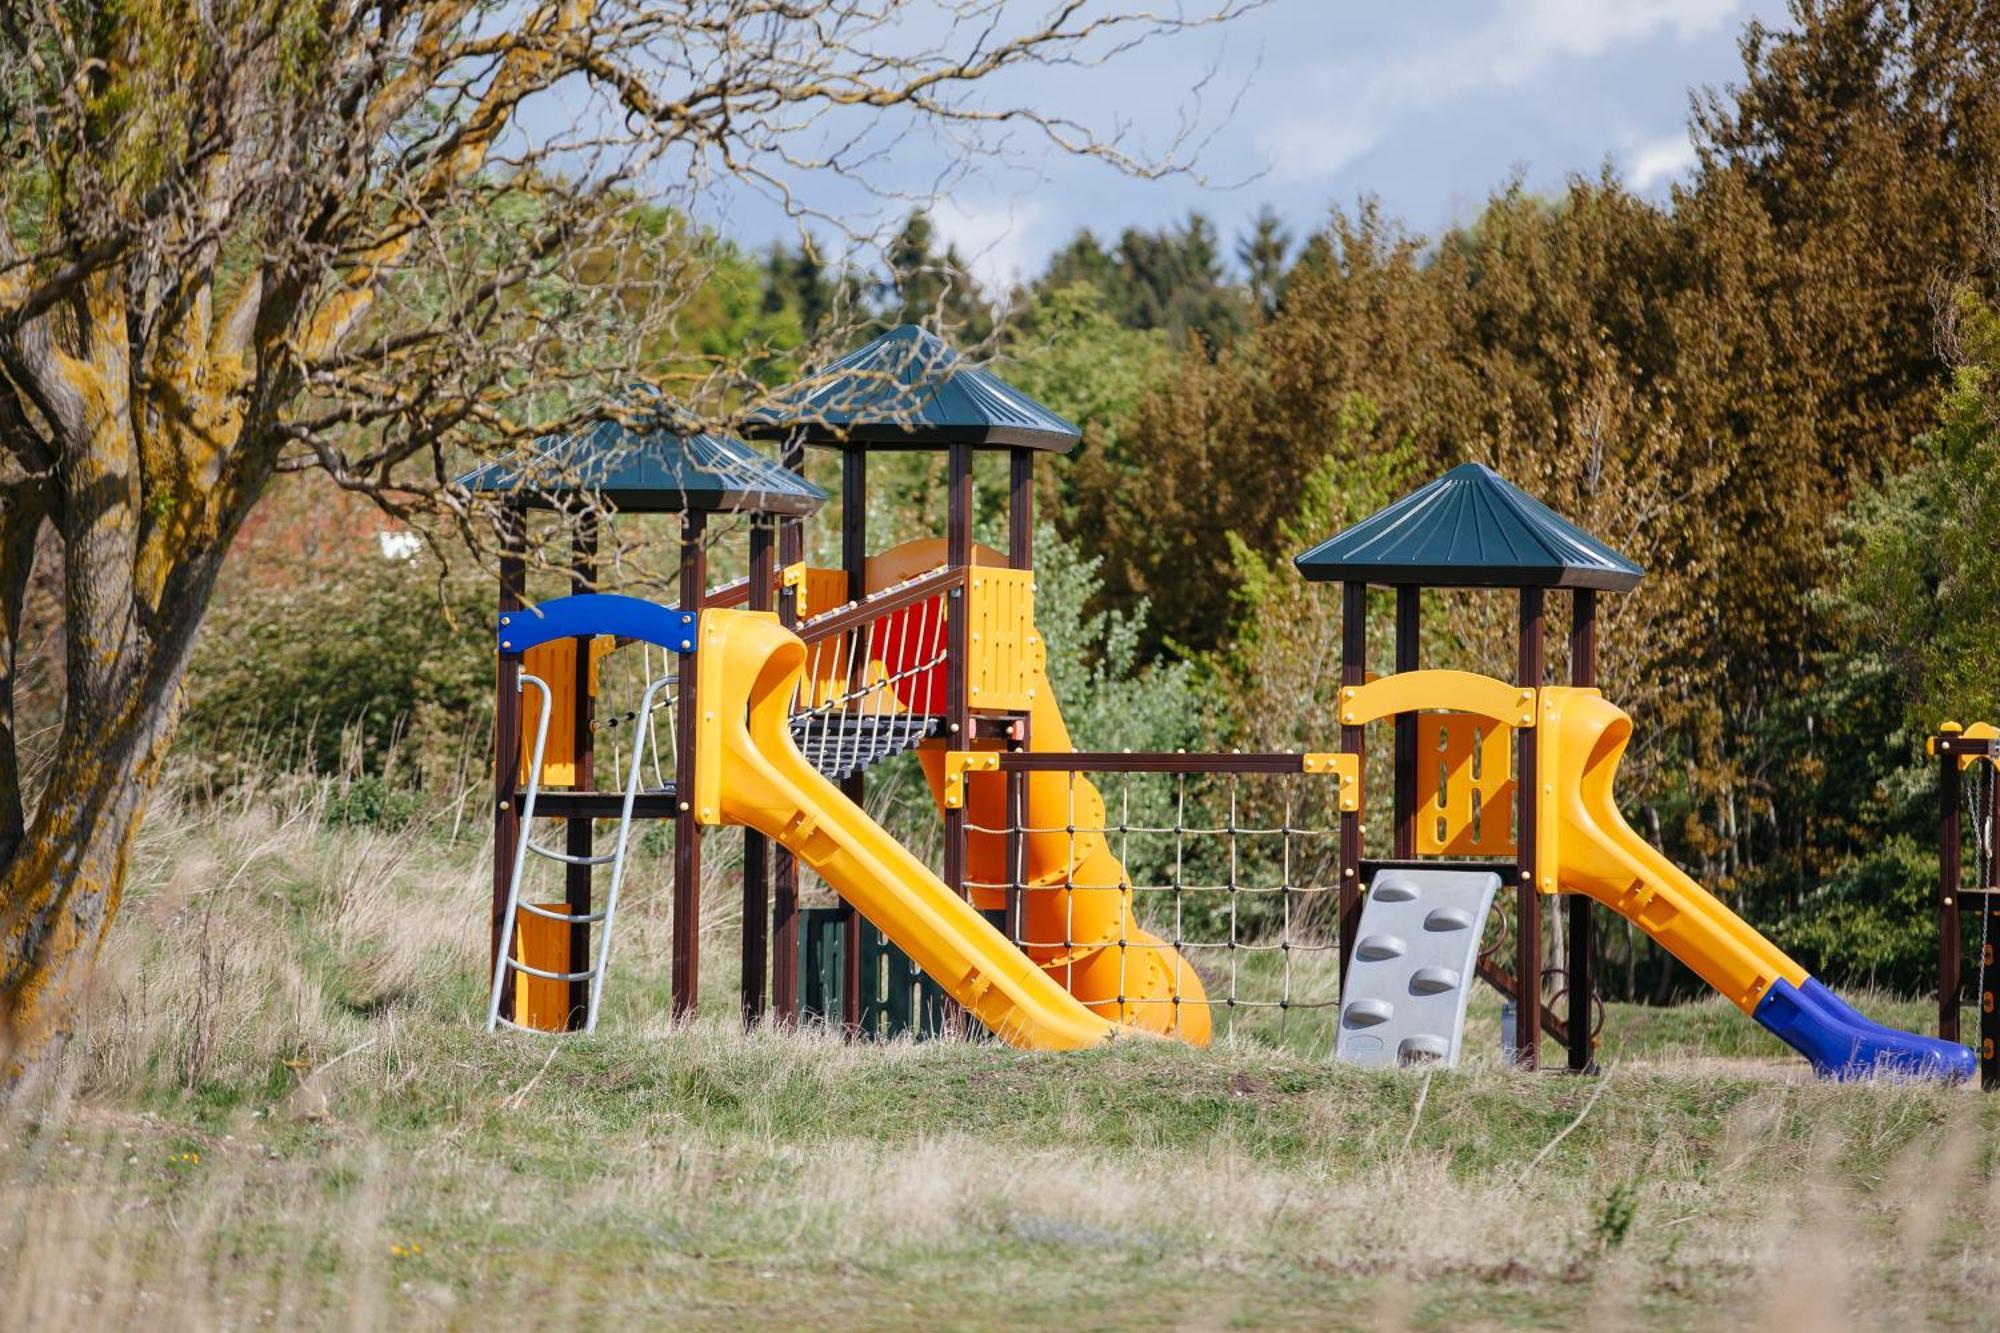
(1077, 920)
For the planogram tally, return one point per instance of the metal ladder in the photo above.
(604, 917)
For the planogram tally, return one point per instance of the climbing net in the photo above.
(1235, 872)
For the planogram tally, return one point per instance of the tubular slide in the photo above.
(750, 773)
(1077, 920)
(1582, 737)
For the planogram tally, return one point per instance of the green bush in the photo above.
(373, 665)
(370, 802)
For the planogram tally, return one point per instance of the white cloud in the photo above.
(993, 241)
(1654, 162)
(1519, 43)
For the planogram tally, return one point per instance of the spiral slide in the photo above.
(749, 772)
(1582, 738)
(1077, 920)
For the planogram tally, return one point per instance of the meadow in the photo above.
(280, 1112)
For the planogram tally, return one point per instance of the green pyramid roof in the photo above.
(909, 390)
(646, 460)
(1469, 528)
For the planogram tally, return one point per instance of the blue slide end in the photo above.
(1841, 1044)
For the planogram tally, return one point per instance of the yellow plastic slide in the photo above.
(748, 772)
(1077, 918)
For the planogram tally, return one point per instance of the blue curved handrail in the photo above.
(597, 613)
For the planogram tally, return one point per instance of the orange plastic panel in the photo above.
(539, 942)
(555, 662)
(824, 590)
(1465, 786)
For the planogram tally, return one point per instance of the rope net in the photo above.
(1237, 874)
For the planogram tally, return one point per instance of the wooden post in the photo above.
(1408, 609)
(1949, 870)
(785, 870)
(686, 944)
(958, 648)
(854, 561)
(756, 847)
(1353, 671)
(1021, 555)
(1581, 961)
(1527, 899)
(958, 713)
(577, 829)
(507, 830)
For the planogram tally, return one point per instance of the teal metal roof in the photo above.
(643, 458)
(1471, 528)
(909, 390)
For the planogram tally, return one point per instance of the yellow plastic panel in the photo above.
(1425, 691)
(1465, 786)
(1006, 653)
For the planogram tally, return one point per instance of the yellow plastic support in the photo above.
(957, 763)
(1006, 655)
(1437, 691)
(1344, 769)
(1978, 731)
(1465, 786)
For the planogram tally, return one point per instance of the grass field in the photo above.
(280, 1113)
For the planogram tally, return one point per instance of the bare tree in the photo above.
(375, 239)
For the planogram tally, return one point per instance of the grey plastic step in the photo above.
(1404, 996)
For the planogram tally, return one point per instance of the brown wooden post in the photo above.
(1353, 740)
(577, 830)
(1021, 555)
(1408, 610)
(1527, 899)
(958, 649)
(756, 847)
(785, 870)
(1581, 961)
(507, 741)
(854, 561)
(686, 944)
(1949, 870)
(958, 715)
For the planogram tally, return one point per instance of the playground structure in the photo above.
(790, 686)
(1969, 756)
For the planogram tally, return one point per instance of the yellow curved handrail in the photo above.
(1437, 691)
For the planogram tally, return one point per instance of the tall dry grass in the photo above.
(279, 1111)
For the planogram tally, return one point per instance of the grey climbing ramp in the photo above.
(1403, 999)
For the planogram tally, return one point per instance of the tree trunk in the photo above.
(133, 597)
(62, 888)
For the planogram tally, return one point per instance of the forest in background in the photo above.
(1775, 390)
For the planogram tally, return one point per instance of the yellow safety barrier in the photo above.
(1437, 691)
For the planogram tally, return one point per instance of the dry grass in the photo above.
(280, 1112)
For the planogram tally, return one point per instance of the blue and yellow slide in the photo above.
(1581, 739)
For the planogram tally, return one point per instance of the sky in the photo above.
(1427, 105)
